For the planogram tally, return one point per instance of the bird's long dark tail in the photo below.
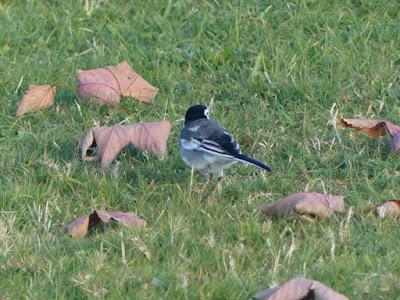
(253, 162)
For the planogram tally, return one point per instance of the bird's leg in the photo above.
(217, 188)
(206, 189)
(191, 182)
(208, 181)
(220, 180)
(206, 184)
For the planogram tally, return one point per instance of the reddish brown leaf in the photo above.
(300, 288)
(110, 83)
(148, 136)
(16, 264)
(37, 97)
(82, 225)
(317, 204)
(375, 128)
(126, 218)
(79, 227)
(390, 208)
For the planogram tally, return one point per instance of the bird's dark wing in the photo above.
(205, 135)
(224, 140)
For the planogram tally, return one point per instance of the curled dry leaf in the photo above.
(16, 264)
(110, 83)
(390, 208)
(82, 225)
(37, 97)
(148, 136)
(375, 128)
(79, 227)
(300, 288)
(317, 204)
(126, 218)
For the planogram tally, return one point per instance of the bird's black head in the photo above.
(196, 112)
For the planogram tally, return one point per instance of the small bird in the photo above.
(208, 147)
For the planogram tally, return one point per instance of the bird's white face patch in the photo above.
(206, 113)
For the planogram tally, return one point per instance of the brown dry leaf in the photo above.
(147, 136)
(78, 228)
(317, 204)
(37, 97)
(126, 218)
(16, 264)
(300, 288)
(82, 225)
(110, 83)
(390, 208)
(375, 128)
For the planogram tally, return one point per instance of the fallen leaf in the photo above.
(108, 141)
(16, 264)
(375, 128)
(82, 225)
(37, 97)
(79, 227)
(300, 288)
(390, 208)
(125, 218)
(317, 204)
(110, 83)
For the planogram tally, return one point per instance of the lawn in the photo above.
(277, 74)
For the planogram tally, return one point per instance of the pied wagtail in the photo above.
(207, 147)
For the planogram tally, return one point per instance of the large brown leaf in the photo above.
(389, 208)
(37, 97)
(148, 136)
(82, 225)
(300, 288)
(375, 128)
(110, 83)
(316, 204)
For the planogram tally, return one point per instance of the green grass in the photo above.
(277, 73)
